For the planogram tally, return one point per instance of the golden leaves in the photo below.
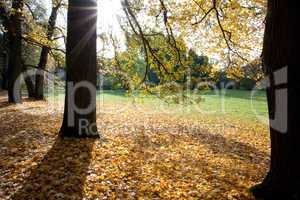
(142, 156)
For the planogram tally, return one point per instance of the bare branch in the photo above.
(141, 34)
(61, 32)
(170, 31)
(31, 11)
(227, 39)
(204, 16)
(36, 43)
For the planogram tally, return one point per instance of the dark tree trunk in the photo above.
(29, 82)
(15, 53)
(4, 73)
(81, 69)
(280, 59)
(39, 79)
(30, 87)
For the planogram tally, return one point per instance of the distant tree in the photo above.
(30, 56)
(81, 68)
(152, 77)
(254, 70)
(39, 79)
(280, 60)
(32, 34)
(14, 30)
(6, 12)
(200, 69)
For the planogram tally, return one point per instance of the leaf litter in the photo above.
(140, 155)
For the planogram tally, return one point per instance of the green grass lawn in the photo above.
(230, 103)
(237, 104)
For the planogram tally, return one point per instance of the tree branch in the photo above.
(36, 43)
(225, 33)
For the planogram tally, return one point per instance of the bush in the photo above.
(247, 84)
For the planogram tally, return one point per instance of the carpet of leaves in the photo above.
(139, 156)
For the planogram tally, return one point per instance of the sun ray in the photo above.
(83, 42)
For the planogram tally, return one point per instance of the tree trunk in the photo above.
(4, 73)
(15, 53)
(280, 59)
(30, 87)
(29, 82)
(39, 79)
(81, 70)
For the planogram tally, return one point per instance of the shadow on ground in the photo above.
(61, 173)
(219, 145)
(36, 163)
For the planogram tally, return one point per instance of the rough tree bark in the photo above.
(39, 79)
(81, 69)
(15, 52)
(280, 59)
(29, 82)
(4, 72)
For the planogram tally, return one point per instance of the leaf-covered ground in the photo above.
(141, 155)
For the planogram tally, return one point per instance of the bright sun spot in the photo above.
(108, 11)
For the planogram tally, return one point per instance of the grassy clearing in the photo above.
(231, 103)
(236, 104)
